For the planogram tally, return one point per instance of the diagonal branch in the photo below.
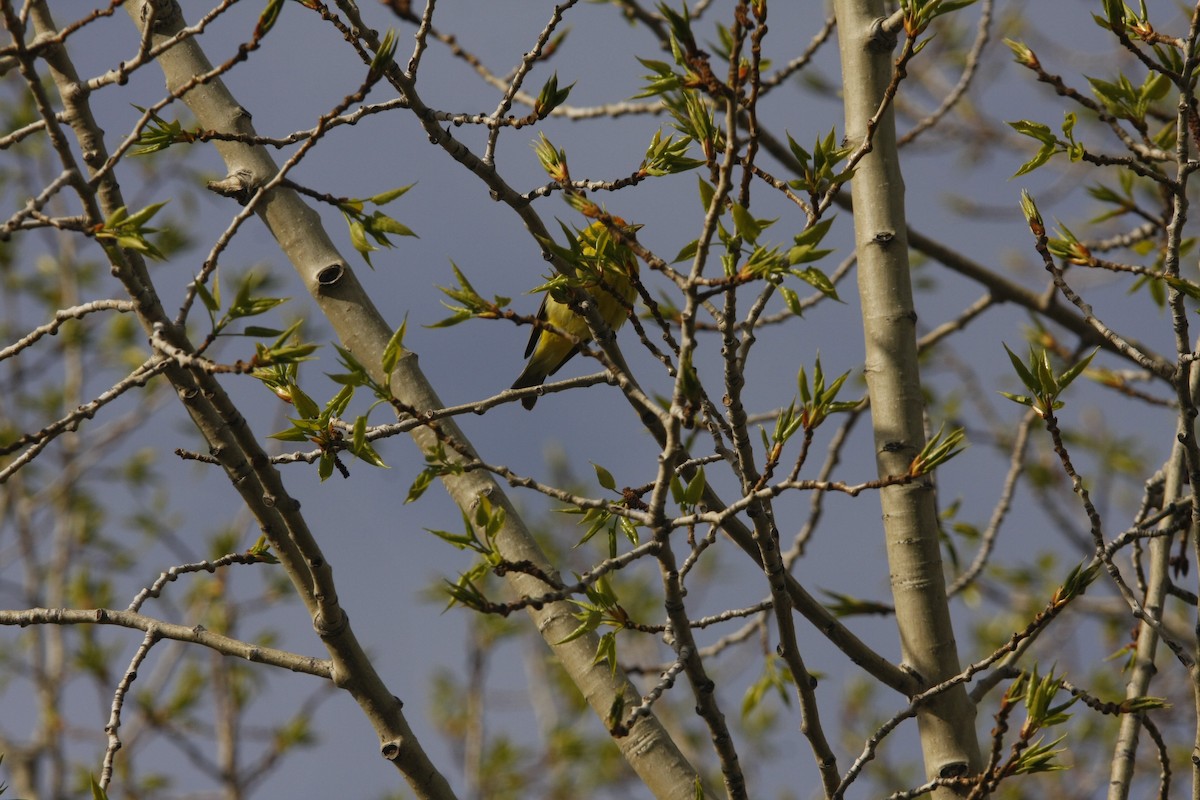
(363, 331)
(215, 415)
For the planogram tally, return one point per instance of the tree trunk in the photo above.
(910, 523)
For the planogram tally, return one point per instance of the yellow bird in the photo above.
(605, 270)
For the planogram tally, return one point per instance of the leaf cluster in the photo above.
(130, 230)
(765, 261)
(550, 97)
(597, 519)
(775, 678)
(600, 609)
(376, 225)
(160, 134)
(1039, 377)
(248, 302)
(471, 305)
(817, 169)
(322, 425)
(940, 448)
(918, 14)
(480, 527)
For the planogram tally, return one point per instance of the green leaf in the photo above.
(845, 605)
(359, 437)
(325, 466)
(1065, 379)
(145, 215)
(1042, 372)
(746, 226)
(707, 192)
(1035, 130)
(289, 435)
(1114, 10)
(1023, 372)
(358, 239)
(419, 485)
(394, 348)
(695, 488)
(606, 650)
(792, 299)
(654, 66)
(937, 451)
(1068, 126)
(1134, 705)
(462, 315)
(948, 6)
(285, 355)
(676, 489)
(597, 519)
(688, 252)
(805, 255)
(130, 232)
(1183, 286)
(462, 541)
(306, 407)
(383, 198)
(1078, 580)
(383, 57)
(1155, 86)
(604, 477)
(472, 304)
(268, 18)
(368, 454)
(591, 621)
(252, 307)
(813, 234)
(159, 134)
(668, 156)
(773, 679)
(1043, 155)
(818, 280)
(550, 97)
(553, 160)
(1022, 53)
(261, 550)
(208, 298)
(798, 152)
(1038, 757)
(804, 249)
(786, 424)
(379, 224)
(337, 405)
(261, 332)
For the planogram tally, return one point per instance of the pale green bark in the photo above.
(946, 724)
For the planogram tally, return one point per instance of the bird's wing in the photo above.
(536, 333)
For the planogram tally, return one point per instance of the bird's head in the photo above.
(598, 241)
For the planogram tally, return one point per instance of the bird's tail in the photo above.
(532, 375)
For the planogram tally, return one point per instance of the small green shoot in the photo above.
(1039, 378)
